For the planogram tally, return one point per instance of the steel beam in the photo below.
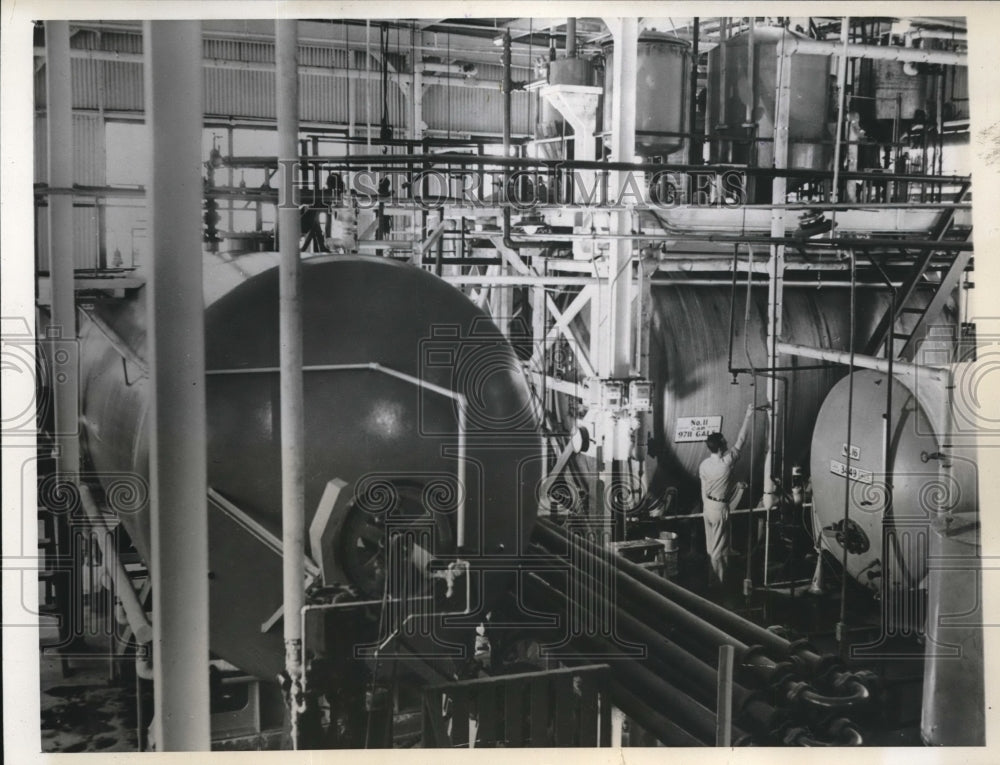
(177, 428)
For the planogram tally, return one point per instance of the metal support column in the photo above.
(176, 338)
(61, 257)
(290, 362)
(776, 263)
(616, 358)
(617, 325)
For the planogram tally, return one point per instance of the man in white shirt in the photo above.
(716, 474)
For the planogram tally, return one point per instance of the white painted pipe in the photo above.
(177, 419)
(293, 523)
(876, 52)
(864, 362)
(61, 246)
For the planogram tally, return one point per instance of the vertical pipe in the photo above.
(178, 437)
(776, 267)
(694, 148)
(507, 86)
(58, 100)
(724, 705)
(752, 81)
(616, 303)
(290, 361)
(841, 98)
(368, 86)
(619, 301)
(570, 38)
(841, 628)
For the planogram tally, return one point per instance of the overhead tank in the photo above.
(663, 73)
(564, 71)
(395, 444)
(736, 93)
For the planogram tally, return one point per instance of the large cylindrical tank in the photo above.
(392, 442)
(690, 367)
(562, 71)
(881, 540)
(661, 93)
(734, 91)
(913, 527)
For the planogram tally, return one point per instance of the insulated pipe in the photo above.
(693, 716)
(841, 99)
(665, 730)
(61, 260)
(736, 625)
(175, 325)
(864, 362)
(695, 147)
(808, 47)
(293, 525)
(570, 38)
(666, 614)
(691, 675)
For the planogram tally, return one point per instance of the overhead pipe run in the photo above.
(865, 362)
(715, 624)
(810, 47)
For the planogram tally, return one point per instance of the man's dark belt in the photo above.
(723, 501)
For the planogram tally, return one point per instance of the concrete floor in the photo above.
(81, 709)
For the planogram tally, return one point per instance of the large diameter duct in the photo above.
(696, 393)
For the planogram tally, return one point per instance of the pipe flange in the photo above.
(793, 735)
(865, 678)
(794, 689)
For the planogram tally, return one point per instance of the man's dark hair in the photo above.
(714, 442)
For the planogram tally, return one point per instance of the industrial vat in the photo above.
(563, 71)
(690, 367)
(741, 102)
(395, 444)
(663, 73)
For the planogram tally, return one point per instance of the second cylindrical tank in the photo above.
(662, 89)
(742, 94)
